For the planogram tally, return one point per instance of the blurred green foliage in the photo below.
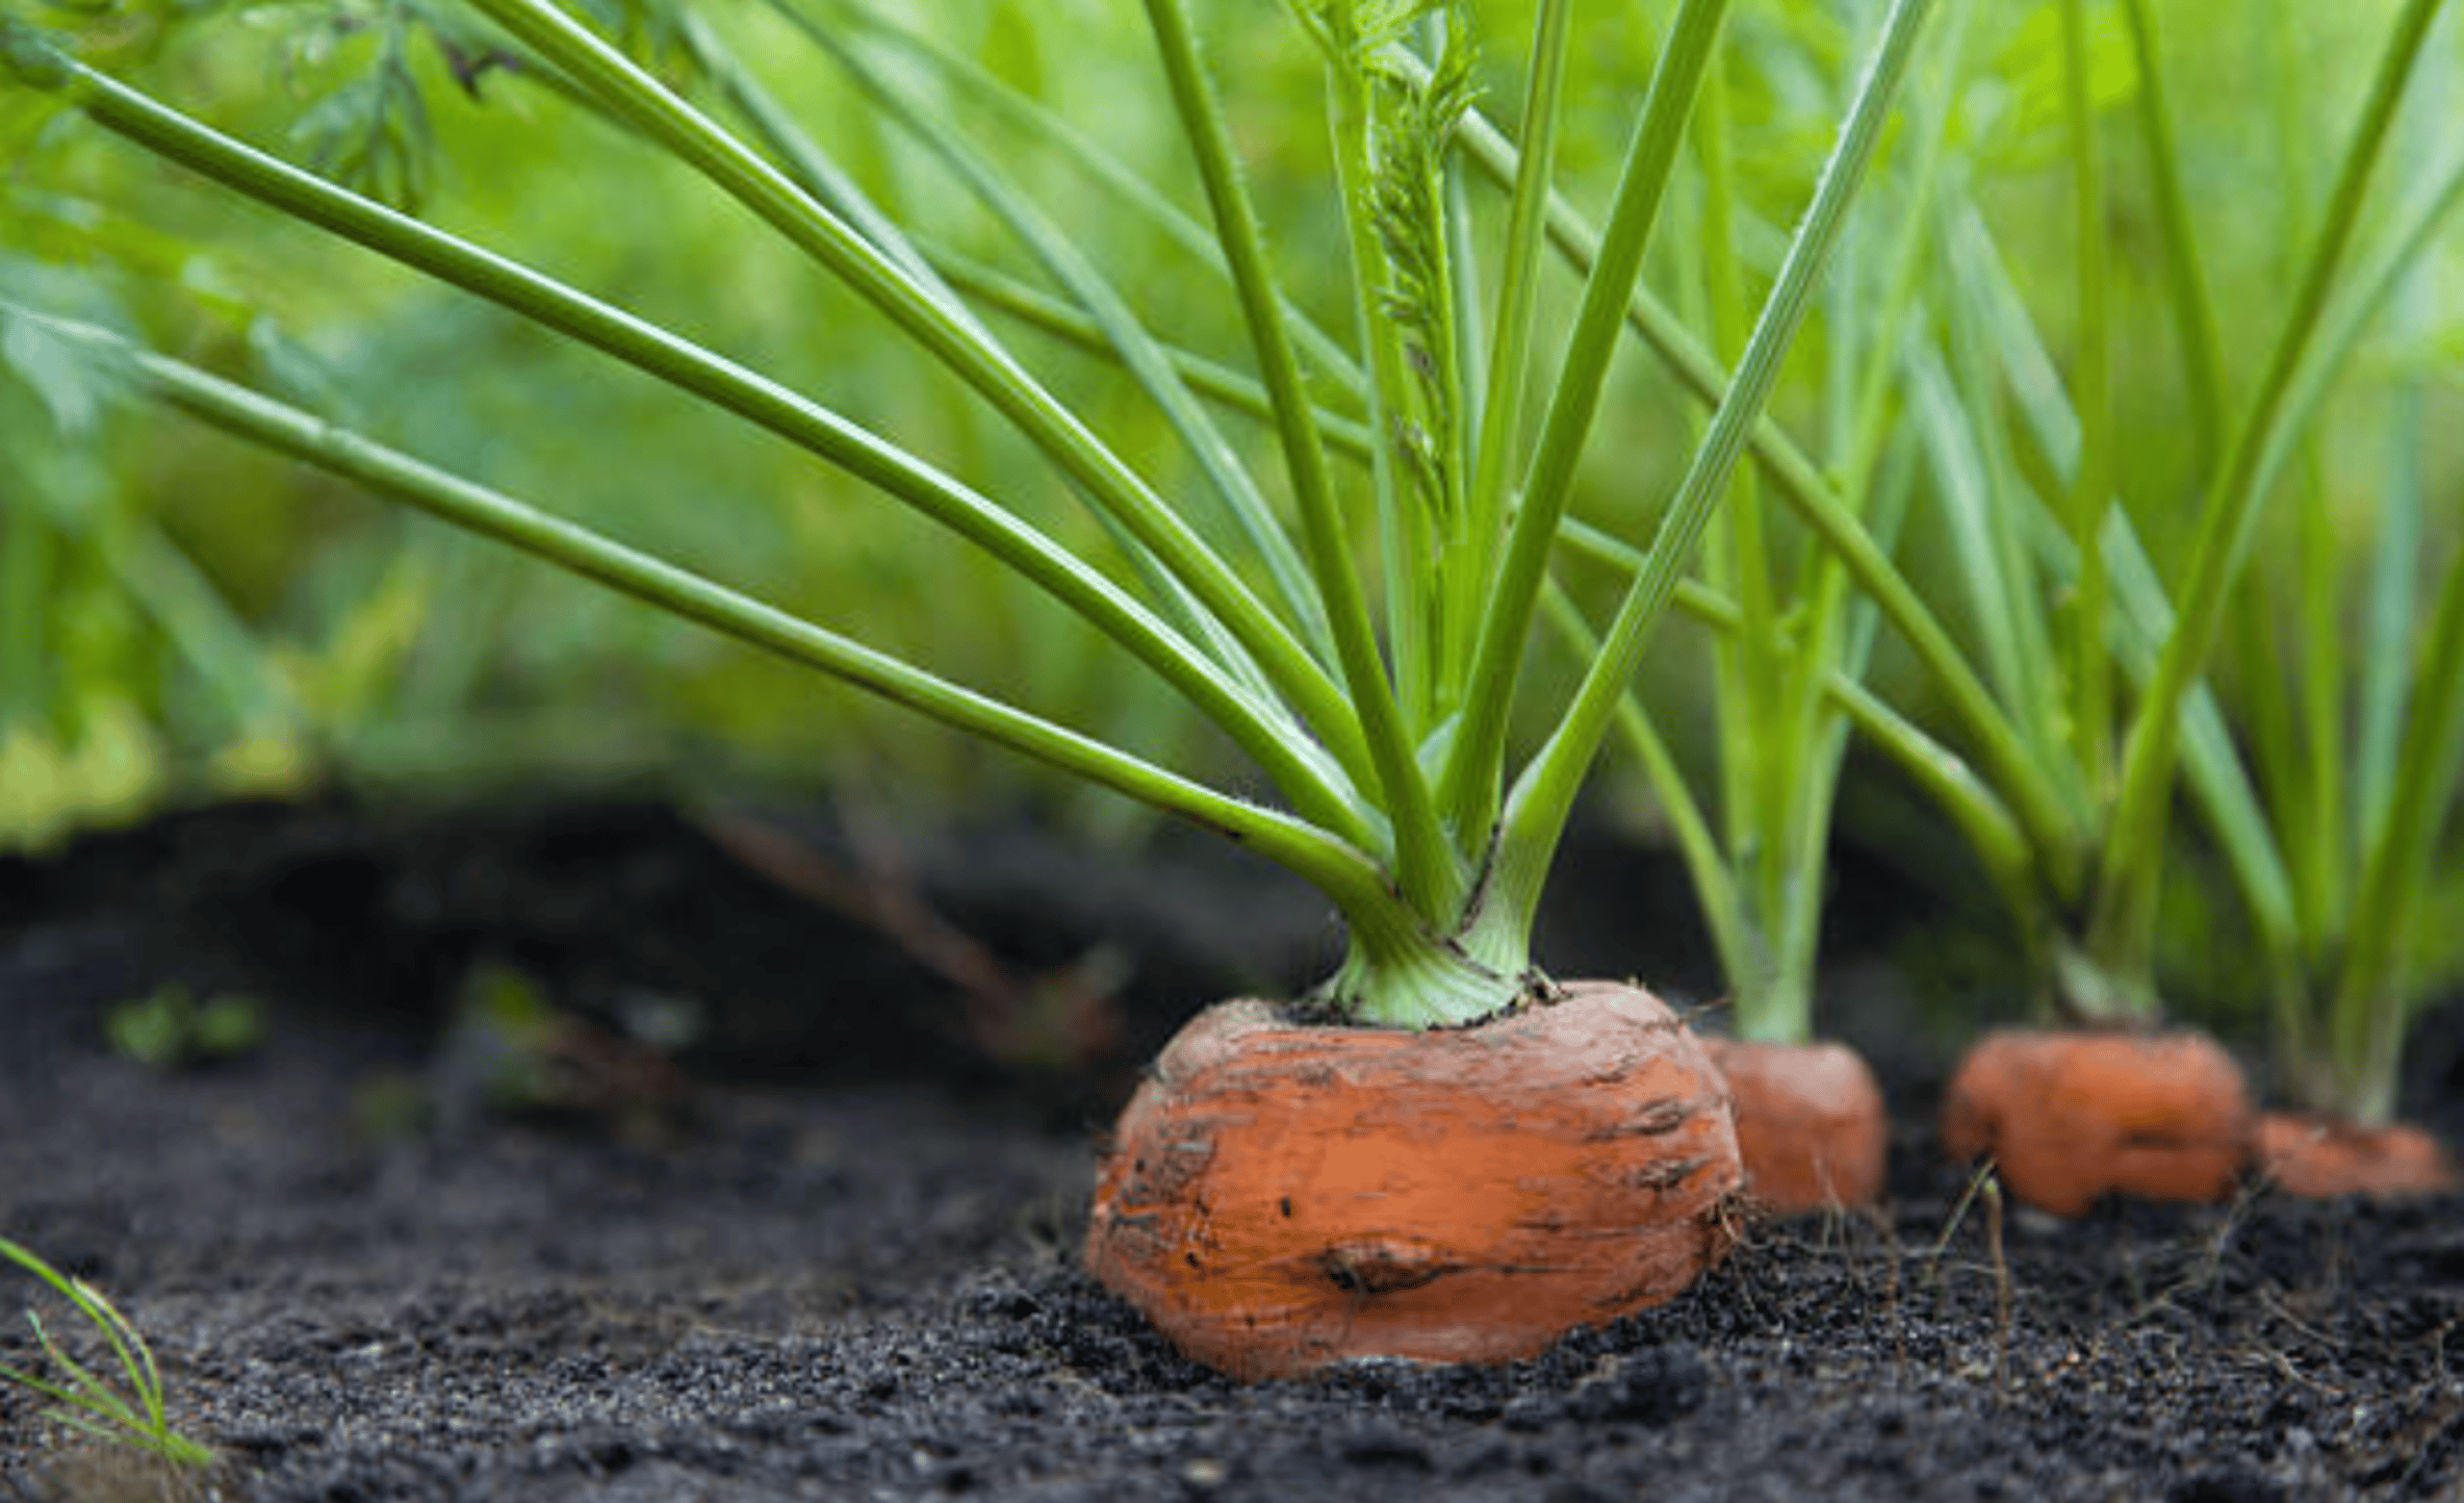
(169, 1028)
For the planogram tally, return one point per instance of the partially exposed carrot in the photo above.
(2071, 1116)
(2304, 1153)
(1281, 1196)
(1809, 1123)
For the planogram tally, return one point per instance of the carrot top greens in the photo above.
(1361, 641)
(1334, 528)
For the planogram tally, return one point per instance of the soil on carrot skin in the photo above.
(821, 1243)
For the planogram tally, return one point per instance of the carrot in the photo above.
(2072, 1115)
(1810, 1122)
(1281, 1196)
(2319, 1156)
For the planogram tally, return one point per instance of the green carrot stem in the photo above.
(1426, 867)
(1748, 686)
(1318, 790)
(1235, 390)
(1032, 120)
(2369, 1014)
(958, 343)
(1336, 867)
(1471, 783)
(1499, 450)
(2091, 666)
(2055, 822)
(2185, 296)
(2123, 928)
(1408, 541)
(1137, 350)
(1543, 796)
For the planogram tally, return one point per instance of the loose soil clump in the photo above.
(845, 1263)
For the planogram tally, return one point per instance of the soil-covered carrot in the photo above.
(1282, 1196)
(2321, 1156)
(1809, 1123)
(2069, 1116)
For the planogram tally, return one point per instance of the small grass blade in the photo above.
(85, 1401)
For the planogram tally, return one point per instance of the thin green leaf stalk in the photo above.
(85, 1401)
(1839, 637)
(1340, 870)
(2269, 728)
(1932, 111)
(1234, 390)
(1316, 789)
(2000, 571)
(1498, 449)
(2123, 929)
(2185, 296)
(2090, 664)
(1404, 523)
(1757, 764)
(1144, 358)
(1030, 119)
(2056, 822)
(959, 345)
(1543, 796)
(2323, 838)
(2369, 1014)
(1474, 769)
(1428, 869)
(1748, 686)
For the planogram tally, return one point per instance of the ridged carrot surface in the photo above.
(1280, 1196)
(2072, 1115)
(2321, 1158)
(1810, 1122)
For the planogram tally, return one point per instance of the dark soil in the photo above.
(743, 1197)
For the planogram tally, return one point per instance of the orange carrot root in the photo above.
(2317, 1157)
(1810, 1122)
(2071, 1116)
(1281, 1197)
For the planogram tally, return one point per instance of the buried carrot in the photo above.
(2319, 1156)
(1809, 1123)
(1281, 1197)
(2072, 1115)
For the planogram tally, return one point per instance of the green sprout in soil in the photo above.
(130, 1413)
(169, 1028)
(1377, 698)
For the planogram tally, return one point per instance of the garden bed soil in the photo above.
(768, 1207)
